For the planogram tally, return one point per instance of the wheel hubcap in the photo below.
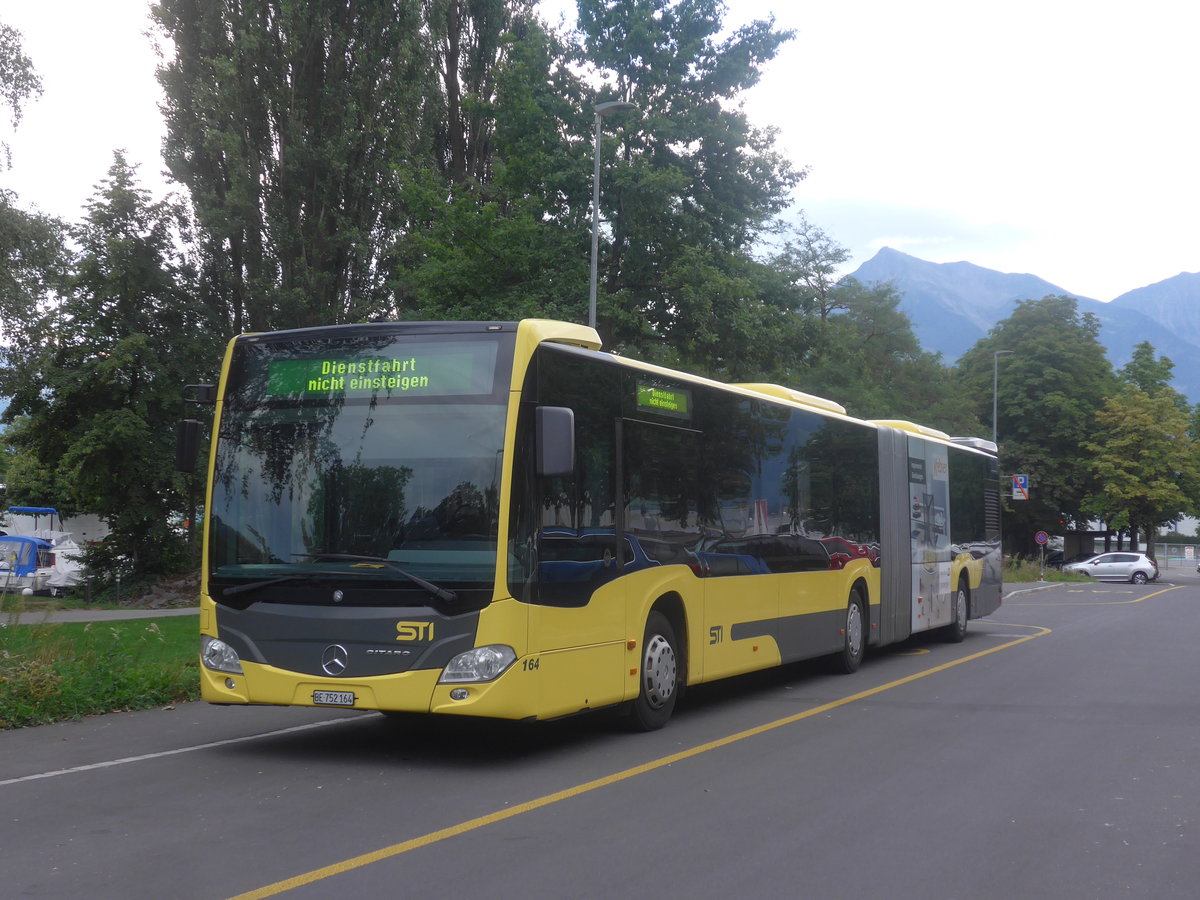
(960, 609)
(854, 629)
(659, 671)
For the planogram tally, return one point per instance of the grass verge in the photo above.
(50, 672)
(1020, 571)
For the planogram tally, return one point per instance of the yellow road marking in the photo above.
(434, 837)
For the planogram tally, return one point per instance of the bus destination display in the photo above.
(442, 371)
(665, 401)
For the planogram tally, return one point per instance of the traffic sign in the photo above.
(1041, 537)
(1020, 487)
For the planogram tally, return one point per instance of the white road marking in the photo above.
(132, 759)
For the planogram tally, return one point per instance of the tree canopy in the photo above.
(1144, 460)
(96, 400)
(19, 80)
(290, 124)
(1048, 392)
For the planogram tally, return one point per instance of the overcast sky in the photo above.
(1052, 137)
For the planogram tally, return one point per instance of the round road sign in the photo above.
(1041, 537)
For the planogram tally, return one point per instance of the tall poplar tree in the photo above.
(289, 123)
(499, 219)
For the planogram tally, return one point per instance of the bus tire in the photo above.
(658, 675)
(854, 635)
(957, 629)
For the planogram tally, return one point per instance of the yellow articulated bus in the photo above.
(501, 520)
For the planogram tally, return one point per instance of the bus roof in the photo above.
(913, 428)
(786, 393)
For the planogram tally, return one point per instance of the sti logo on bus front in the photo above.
(414, 631)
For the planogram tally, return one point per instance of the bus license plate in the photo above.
(333, 698)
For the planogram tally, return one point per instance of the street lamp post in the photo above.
(996, 384)
(602, 110)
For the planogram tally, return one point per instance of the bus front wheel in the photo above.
(659, 675)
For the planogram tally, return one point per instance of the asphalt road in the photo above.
(1054, 753)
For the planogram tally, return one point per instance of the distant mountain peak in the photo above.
(1173, 303)
(953, 305)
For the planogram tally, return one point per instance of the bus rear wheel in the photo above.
(659, 675)
(854, 635)
(957, 629)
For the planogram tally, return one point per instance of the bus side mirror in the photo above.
(555, 437)
(187, 435)
(187, 445)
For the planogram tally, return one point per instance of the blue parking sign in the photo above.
(1020, 487)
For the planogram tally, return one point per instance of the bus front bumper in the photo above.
(415, 692)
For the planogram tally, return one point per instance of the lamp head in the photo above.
(612, 106)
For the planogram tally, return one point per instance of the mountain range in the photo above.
(953, 305)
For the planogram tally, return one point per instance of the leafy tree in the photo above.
(1145, 461)
(33, 257)
(289, 123)
(34, 263)
(1159, 474)
(810, 260)
(860, 348)
(19, 80)
(472, 40)
(99, 400)
(507, 237)
(34, 268)
(691, 186)
(1048, 392)
(1146, 371)
(869, 360)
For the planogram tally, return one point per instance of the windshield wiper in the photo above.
(446, 596)
(255, 585)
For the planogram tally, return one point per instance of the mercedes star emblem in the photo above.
(335, 659)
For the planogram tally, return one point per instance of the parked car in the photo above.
(1127, 566)
(1055, 560)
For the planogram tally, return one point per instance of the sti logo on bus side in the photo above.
(414, 631)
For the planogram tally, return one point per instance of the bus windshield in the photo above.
(382, 447)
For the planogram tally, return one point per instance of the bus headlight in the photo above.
(219, 656)
(481, 664)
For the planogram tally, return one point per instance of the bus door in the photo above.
(676, 511)
(661, 518)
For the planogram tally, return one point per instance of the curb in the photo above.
(89, 615)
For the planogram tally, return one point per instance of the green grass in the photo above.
(1019, 571)
(50, 672)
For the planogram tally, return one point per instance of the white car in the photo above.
(1122, 566)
